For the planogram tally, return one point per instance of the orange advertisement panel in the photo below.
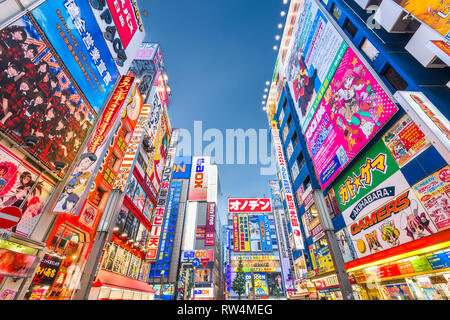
(434, 13)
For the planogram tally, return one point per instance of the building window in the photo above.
(285, 104)
(295, 139)
(121, 144)
(350, 28)
(369, 49)
(289, 121)
(336, 11)
(112, 160)
(300, 160)
(109, 176)
(141, 161)
(307, 182)
(98, 196)
(394, 78)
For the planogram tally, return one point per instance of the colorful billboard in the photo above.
(23, 187)
(260, 281)
(84, 173)
(255, 233)
(434, 194)
(15, 264)
(182, 168)
(266, 237)
(244, 233)
(210, 229)
(287, 188)
(316, 52)
(198, 186)
(73, 31)
(236, 239)
(353, 110)
(405, 140)
(38, 98)
(122, 28)
(434, 13)
(249, 205)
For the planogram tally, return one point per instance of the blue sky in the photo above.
(218, 55)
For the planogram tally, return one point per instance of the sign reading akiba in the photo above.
(293, 218)
(198, 186)
(82, 176)
(158, 215)
(249, 205)
(210, 224)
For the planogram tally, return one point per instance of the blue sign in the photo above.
(74, 33)
(196, 262)
(266, 237)
(182, 168)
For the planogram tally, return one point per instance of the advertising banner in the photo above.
(255, 233)
(22, 187)
(201, 233)
(275, 190)
(47, 270)
(346, 245)
(83, 174)
(353, 110)
(266, 236)
(244, 233)
(198, 186)
(198, 256)
(434, 194)
(357, 185)
(405, 141)
(18, 265)
(38, 98)
(249, 205)
(236, 238)
(274, 279)
(210, 224)
(182, 168)
(73, 31)
(287, 188)
(427, 116)
(399, 220)
(160, 210)
(260, 281)
(316, 52)
(323, 259)
(122, 29)
(434, 13)
(155, 115)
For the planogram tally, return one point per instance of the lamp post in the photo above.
(161, 283)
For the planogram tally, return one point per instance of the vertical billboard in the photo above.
(198, 186)
(38, 97)
(210, 229)
(244, 232)
(266, 236)
(379, 208)
(287, 188)
(317, 49)
(182, 168)
(84, 172)
(236, 239)
(353, 109)
(255, 233)
(160, 209)
(122, 29)
(73, 31)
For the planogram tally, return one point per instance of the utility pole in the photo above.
(335, 252)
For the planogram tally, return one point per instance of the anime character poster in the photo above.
(434, 194)
(353, 109)
(22, 187)
(316, 52)
(405, 140)
(37, 97)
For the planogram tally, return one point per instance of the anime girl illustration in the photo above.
(81, 183)
(4, 169)
(417, 225)
(390, 233)
(398, 149)
(18, 194)
(372, 241)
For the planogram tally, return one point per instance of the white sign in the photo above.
(430, 120)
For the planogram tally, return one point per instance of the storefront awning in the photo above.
(114, 280)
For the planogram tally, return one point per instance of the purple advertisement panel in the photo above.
(353, 109)
(210, 224)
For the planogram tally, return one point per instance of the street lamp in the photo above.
(161, 283)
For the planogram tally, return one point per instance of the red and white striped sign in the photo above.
(9, 217)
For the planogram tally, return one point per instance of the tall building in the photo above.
(254, 241)
(201, 240)
(357, 107)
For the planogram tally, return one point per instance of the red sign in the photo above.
(9, 217)
(124, 19)
(249, 205)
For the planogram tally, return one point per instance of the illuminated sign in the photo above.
(198, 186)
(249, 205)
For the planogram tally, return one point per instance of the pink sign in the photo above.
(354, 108)
(124, 19)
(249, 205)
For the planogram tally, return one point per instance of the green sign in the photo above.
(421, 264)
(375, 166)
